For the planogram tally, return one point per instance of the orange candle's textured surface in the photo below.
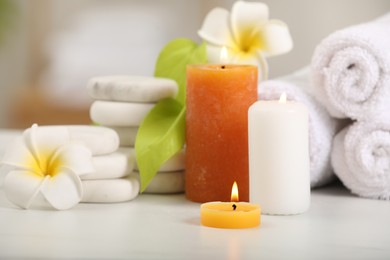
(218, 99)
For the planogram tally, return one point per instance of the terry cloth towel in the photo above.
(322, 127)
(361, 159)
(351, 69)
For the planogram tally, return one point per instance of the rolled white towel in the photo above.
(361, 159)
(131, 88)
(111, 113)
(351, 70)
(322, 127)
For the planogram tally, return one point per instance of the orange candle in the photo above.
(218, 99)
(230, 214)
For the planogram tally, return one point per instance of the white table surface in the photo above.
(337, 226)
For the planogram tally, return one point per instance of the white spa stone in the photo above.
(166, 183)
(111, 166)
(126, 135)
(131, 88)
(110, 113)
(99, 140)
(110, 191)
(176, 163)
(129, 152)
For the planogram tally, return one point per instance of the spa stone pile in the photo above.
(121, 103)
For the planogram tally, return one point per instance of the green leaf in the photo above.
(175, 57)
(162, 133)
(160, 136)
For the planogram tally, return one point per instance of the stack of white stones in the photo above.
(121, 103)
(106, 184)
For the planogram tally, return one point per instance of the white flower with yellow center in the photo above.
(247, 34)
(45, 162)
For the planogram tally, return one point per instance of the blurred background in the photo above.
(50, 48)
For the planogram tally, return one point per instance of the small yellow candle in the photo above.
(232, 214)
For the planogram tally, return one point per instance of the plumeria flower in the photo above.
(45, 162)
(247, 34)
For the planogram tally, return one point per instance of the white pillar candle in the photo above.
(279, 170)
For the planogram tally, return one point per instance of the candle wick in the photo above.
(234, 206)
(223, 66)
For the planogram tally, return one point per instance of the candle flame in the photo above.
(223, 57)
(234, 196)
(283, 98)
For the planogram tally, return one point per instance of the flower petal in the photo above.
(21, 187)
(243, 59)
(74, 157)
(215, 28)
(64, 190)
(247, 19)
(263, 67)
(213, 54)
(236, 57)
(43, 141)
(276, 37)
(18, 155)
